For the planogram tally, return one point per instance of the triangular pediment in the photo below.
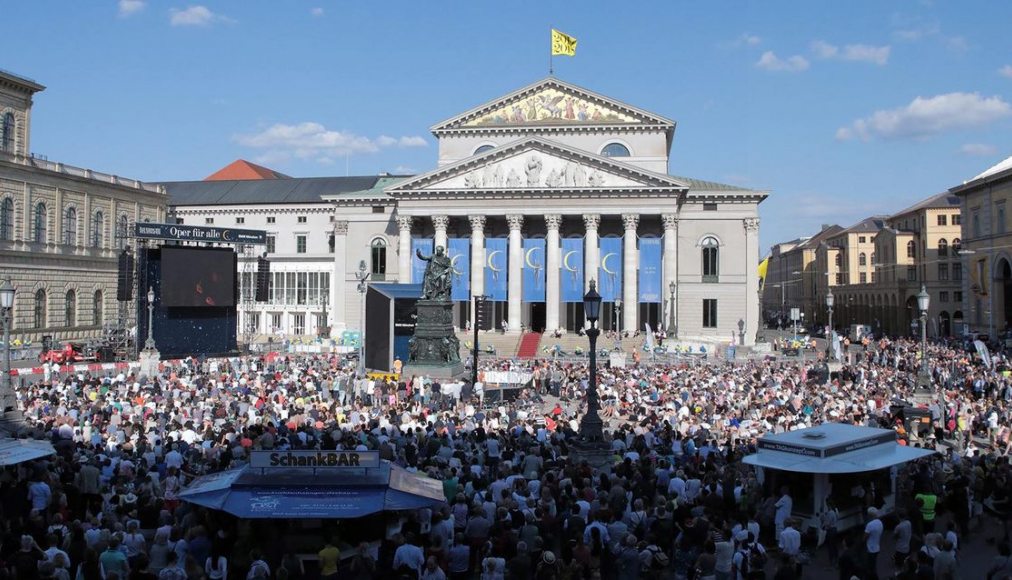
(552, 102)
(537, 164)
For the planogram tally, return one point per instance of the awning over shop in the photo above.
(299, 494)
(15, 451)
(833, 448)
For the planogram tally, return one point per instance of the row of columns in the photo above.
(553, 260)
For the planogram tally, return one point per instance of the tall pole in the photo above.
(829, 336)
(361, 276)
(479, 303)
(671, 312)
(592, 428)
(7, 392)
(149, 344)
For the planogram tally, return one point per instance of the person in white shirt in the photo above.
(872, 539)
(784, 505)
(409, 555)
(902, 534)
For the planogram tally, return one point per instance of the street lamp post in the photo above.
(362, 276)
(149, 344)
(591, 426)
(923, 377)
(10, 400)
(829, 334)
(617, 326)
(672, 327)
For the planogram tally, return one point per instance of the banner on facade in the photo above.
(534, 270)
(609, 281)
(460, 260)
(650, 271)
(184, 233)
(418, 266)
(496, 268)
(571, 270)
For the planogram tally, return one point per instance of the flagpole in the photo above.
(550, 68)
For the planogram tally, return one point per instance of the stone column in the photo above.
(339, 277)
(553, 259)
(751, 226)
(670, 222)
(440, 223)
(404, 249)
(630, 267)
(591, 250)
(477, 260)
(514, 282)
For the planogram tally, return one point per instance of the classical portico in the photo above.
(545, 189)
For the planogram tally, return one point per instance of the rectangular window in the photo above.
(943, 272)
(302, 219)
(379, 209)
(976, 225)
(300, 244)
(709, 313)
(271, 240)
(942, 220)
(299, 324)
(290, 288)
(301, 287)
(911, 274)
(180, 221)
(270, 219)
(709, 207)
(240, 220)
(943, 296)
(957, 296)
(208, 221)
(839, 278)
(861, 239)
(956, 219)
(1000, 220)
(957, 272)
(864, 278)
(276, 323)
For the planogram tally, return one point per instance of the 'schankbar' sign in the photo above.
(183, 233)
(314, 459)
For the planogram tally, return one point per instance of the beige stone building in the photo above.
(61, 229)
(987, 244)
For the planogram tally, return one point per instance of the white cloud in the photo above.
(196, 15)
(1006, 71)
(771, 62)
(852, 52)
(129, 7)
(917, 31)
(978, 149)
(928, 116)
(316, 11)
(750, 39)
(314, 141)
(404, 170)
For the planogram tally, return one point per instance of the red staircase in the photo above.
(529, 343)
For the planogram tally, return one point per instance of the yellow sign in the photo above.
(563, 44)
(378, 376)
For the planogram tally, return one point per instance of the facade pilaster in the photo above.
(591, 249)
(670, 222)
(751, 226)
(339, 277)
(516, 260)
(404, 223)
(440, 223)
(553, 259)
(477, 260)
(630, 266)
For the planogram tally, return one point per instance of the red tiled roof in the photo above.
(241, 169)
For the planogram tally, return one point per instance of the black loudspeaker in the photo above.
(263, 279)
(125, 278)
(483, 313)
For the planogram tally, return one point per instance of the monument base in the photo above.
(597, 454)
(434, 371)
(149, 359)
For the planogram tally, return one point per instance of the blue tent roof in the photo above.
(299, 494)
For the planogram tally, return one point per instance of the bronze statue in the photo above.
(438, 277)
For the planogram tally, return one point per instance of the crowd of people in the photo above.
(674, 501)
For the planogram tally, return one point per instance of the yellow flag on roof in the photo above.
(563, 44)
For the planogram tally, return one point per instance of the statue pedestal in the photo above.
(149, 359)
(597, 454)
(434, 350)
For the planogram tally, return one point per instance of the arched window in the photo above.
(862, 259)
(122, 231)
(97, 229)
(615, 150)
(957, 245)
(911, 249)
(96, 308)
(483, 149)
(943, 248)
(70, 308)
(838, 260)
(7, 139)
(40, 308)
(40, 223)
(7, 219)
(70, 227)
(378, 253)
(711, 259)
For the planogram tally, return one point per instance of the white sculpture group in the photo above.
(568, 175)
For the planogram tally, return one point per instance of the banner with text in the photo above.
(571, 276)
(418, 266)
(650, 270)
(534, 270)
(496, 268)
(460, 260)
(609, 282)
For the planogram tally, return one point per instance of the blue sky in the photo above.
(841, 109)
